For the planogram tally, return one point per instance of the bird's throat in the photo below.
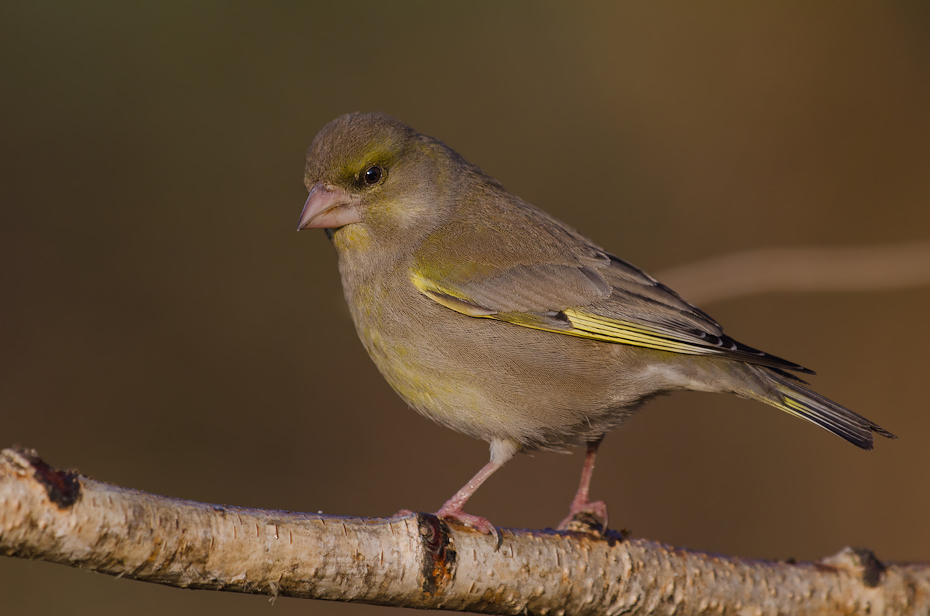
(352, 237)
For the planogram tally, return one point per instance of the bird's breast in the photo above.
(485, 377)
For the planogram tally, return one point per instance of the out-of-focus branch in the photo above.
(417, 560)
(802, 269)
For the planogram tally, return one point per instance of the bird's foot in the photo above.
(455, 514)
(460, 517)
(586, 517)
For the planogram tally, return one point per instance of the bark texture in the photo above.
(417, 560)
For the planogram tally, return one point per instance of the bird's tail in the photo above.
(796, 399)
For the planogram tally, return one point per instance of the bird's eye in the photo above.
(373, 175)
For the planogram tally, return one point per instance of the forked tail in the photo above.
(802, 402)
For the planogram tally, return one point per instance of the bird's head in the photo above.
(376, 179)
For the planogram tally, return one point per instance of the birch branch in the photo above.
(896, 266)
(417, 560)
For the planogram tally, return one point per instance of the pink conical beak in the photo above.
(328, 207)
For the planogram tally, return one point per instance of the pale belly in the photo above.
(494, 380)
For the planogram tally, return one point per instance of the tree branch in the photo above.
(895, 266)
(417, 560)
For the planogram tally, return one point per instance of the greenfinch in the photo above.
(492, 318)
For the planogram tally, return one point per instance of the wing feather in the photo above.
(558, 281)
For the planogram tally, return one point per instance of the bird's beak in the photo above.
(328, 207)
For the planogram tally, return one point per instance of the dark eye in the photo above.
(373, 175)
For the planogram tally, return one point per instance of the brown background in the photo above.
(164, 327)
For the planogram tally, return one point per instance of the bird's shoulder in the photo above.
(520, 265)
(507, 256)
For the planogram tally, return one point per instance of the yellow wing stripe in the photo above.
(583, 324)
(622, 332)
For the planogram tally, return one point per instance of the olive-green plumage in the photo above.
(495, 319)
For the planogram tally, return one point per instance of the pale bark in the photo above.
(417, 560)
(862, 268)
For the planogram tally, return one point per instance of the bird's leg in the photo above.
(581, 504)
(454, 507)
(501, 452)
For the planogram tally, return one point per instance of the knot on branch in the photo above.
(62, 487)
(858, 560)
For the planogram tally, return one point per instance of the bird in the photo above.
(493, 318)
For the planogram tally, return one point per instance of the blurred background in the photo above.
(163, 326)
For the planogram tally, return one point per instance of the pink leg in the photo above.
(454, 507)
(581, 504)
(501, 452)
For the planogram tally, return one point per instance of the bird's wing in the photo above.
(558, 281)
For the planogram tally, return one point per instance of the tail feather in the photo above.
(798, 400)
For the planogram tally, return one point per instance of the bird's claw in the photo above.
(474, 521)
(464, 519)
(586, 517)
